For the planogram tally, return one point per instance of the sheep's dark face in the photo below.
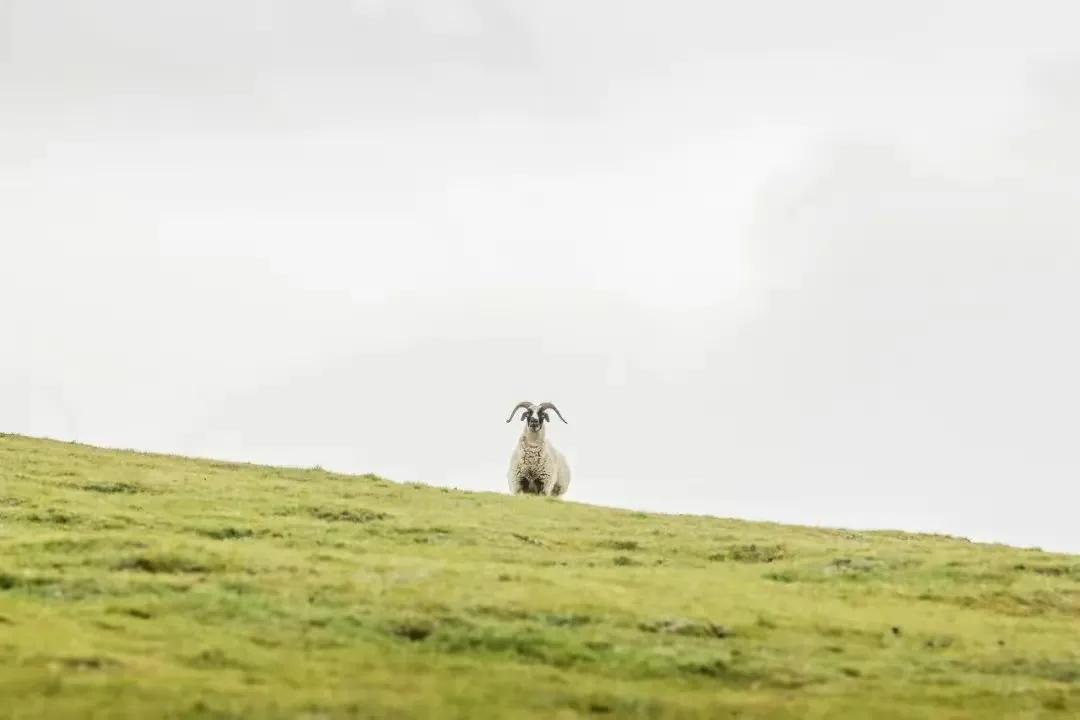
(534, 418)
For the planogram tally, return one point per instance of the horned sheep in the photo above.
(536, 467)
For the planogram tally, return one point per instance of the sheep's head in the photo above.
(535, 415)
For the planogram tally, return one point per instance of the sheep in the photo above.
(536, 467)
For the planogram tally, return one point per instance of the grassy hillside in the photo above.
(143, 586)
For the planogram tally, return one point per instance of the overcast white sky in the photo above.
(805, 262)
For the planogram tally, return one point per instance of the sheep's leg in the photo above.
(528, 485)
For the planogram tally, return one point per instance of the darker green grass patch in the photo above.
(65, 588)
(135, 612)
(239, 587)
(612, 705)
(1055, 701)
(229, 466)
(718, 668)
(686, 628)
(214, 658)
(854, 568)
(728, 672)
(752, 553)
(67, 545)
(89, 663)
(347, 515)
(500, 612)
(939, 642)
(1056, 670)
(571, 620)
(624, 545)
(1013, 603)
(44, 585)
(1050, 570)
(519, 615)
(783, 576)
(165, 563)
(53, 517)
(83, 544)
(202, 709)
(112, 488)
(227, 532)
(413, 631)
(533, 645)
(421, 531)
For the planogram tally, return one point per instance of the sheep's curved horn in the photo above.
(551, 406)
(517, 407)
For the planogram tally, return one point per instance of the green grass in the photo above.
(145, 586)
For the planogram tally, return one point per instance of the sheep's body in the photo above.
(536, 467)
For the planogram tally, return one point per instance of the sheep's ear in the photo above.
(524, 414)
